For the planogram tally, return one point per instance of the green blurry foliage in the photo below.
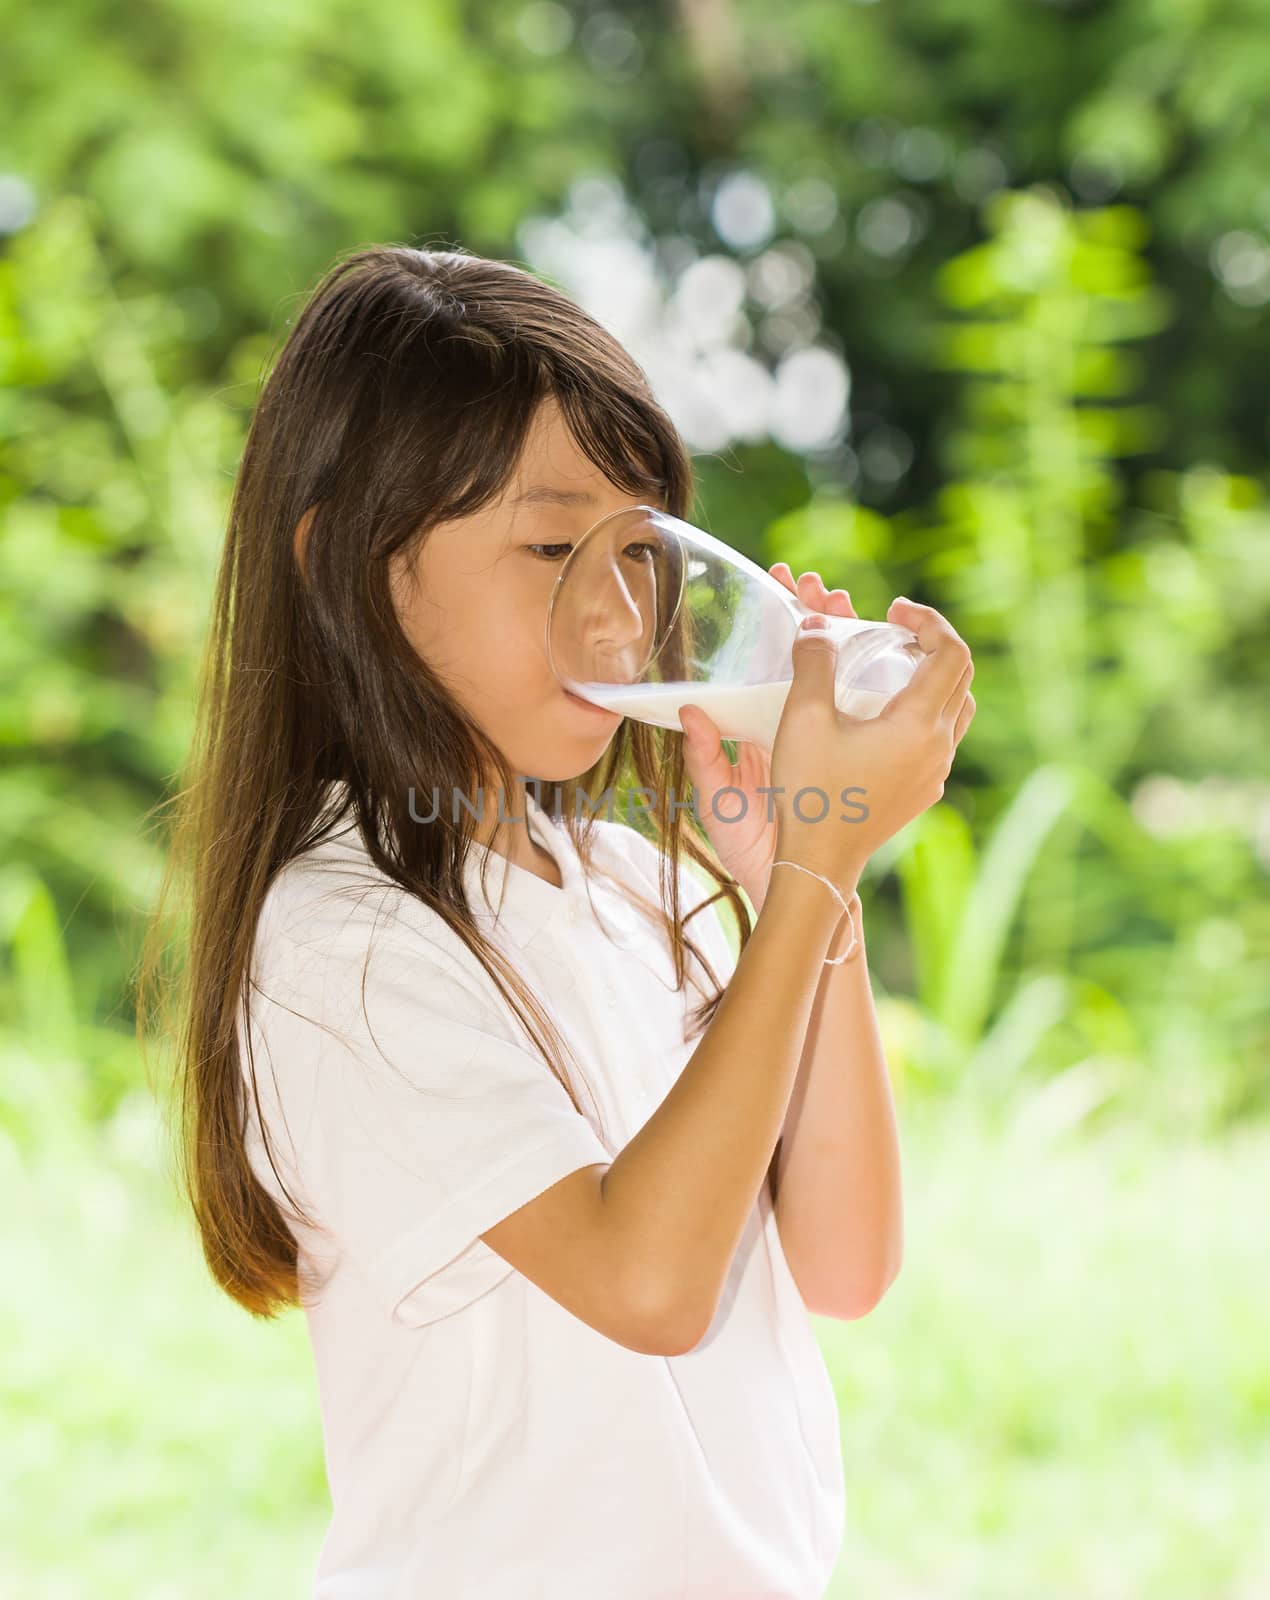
(113, 486)
(1084, 501)
(1080, 930)
(1057, 932)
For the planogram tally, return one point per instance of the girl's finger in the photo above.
(964, 717)
(955, 700)
(817, 597)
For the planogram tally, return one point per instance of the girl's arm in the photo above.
(640, 1249)
(838, 1183)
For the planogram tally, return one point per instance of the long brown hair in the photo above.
(400, 399)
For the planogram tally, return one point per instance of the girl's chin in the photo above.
(563, 770)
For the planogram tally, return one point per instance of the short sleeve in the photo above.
(416, 1118)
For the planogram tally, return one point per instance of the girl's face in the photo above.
(474, 605)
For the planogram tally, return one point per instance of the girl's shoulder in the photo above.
(331, 905)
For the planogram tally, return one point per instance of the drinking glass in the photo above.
(650, 612)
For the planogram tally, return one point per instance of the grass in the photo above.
(1066, 1392)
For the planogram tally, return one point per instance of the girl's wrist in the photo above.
(849, 926)
(854, 922)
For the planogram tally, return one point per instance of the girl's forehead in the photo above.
(553, 462)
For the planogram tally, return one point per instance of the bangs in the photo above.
(621, 436)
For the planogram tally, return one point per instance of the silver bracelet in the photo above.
(833, 889)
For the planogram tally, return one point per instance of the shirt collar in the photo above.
(535, 904)
(529, 901)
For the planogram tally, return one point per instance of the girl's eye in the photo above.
(644, 555)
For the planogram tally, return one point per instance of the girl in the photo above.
(440, 1081)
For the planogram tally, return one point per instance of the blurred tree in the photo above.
(172, 179)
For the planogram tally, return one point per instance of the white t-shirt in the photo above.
(481, 1442)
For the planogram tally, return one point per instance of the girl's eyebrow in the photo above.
(543, 494)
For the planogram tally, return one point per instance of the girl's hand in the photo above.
(746, 846)
(896, 762)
